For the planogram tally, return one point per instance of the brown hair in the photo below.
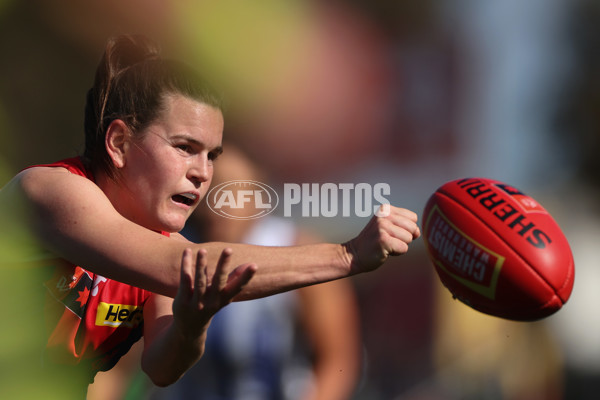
(131, 82)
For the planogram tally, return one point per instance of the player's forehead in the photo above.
(184, 118)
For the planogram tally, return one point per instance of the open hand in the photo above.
(197, 300)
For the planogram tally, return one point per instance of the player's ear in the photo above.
(116, 142)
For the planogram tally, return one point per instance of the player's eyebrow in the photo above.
(218, 150)
(188, 138)
(192, 140)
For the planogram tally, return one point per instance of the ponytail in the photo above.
(131, 81)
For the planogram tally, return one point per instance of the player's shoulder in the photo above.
(46, 184)
(41, 172)
(29, 180)
(41, 178)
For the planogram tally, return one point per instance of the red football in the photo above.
(497, 250)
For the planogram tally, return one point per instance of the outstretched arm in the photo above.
(175, 329)
(73, 218)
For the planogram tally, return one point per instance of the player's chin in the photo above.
(174, 223)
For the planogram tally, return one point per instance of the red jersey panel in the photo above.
(92, 320)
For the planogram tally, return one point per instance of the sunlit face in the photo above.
(169, 169)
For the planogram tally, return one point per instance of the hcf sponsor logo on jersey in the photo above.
(117, 315)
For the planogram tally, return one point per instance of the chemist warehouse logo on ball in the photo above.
(243, 200)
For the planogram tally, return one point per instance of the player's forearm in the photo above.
(151, 261)
(170, 355)
(285, 268)
(335, 378)
(332, 386)
(329, 315)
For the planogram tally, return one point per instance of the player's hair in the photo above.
(131, 83)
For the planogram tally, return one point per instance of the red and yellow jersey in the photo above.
(92, 320)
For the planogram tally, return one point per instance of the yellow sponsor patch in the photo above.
(117, 315)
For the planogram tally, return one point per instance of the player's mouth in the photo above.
(187, 199)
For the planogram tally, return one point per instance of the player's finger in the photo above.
(399, 233)
(200, 279)
(384, 210)
(403, 212)
(392, 245)
(238, 278)
(407, 224)
(220, 277)
(185, 283)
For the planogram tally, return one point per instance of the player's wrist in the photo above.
(191, 333)
(349, 258)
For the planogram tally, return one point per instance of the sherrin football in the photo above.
(497, 250)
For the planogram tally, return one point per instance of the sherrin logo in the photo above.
(117, 315)
(509, 213)
(242, 199)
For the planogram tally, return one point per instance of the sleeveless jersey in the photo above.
(92, 320)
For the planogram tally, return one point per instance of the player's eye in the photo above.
(213, 155)
(186, 148)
